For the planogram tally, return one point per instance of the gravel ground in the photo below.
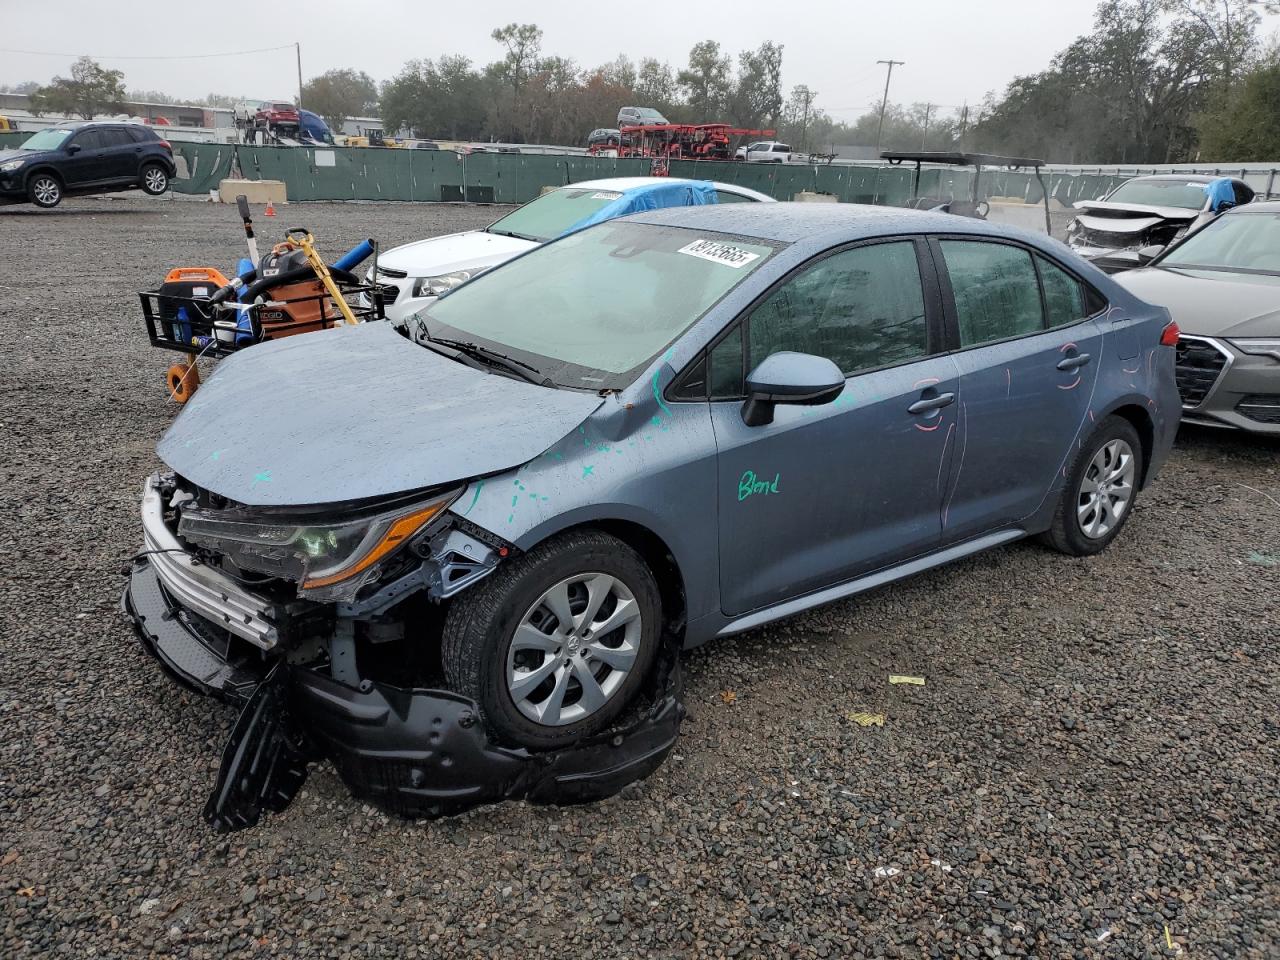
(1090, 769)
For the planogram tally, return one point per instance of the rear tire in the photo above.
(561, 680)
(1101, 489)
(45, 190)
(154, 179)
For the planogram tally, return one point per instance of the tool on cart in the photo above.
(242, 202)
(303, 239)
(201, 313)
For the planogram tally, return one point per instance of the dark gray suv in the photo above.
(85, 157)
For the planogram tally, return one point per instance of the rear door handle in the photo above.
(932, 403)
(1073, 362)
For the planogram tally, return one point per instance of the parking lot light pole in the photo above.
(885, 100)
(297, 48)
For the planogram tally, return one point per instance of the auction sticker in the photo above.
(717, 252)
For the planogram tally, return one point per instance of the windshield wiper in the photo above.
(493, 358)
(518, 236)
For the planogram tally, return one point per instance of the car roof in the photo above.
(791, 222)
(78, 124)
(1185, 178)
(623, 184)
(1256, 206)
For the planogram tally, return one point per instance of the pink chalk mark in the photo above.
(1067, 346)
(925, 382)
(1070, 386)
(1092, 417)
(927, 429)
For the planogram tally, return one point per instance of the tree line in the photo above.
(1153, 81)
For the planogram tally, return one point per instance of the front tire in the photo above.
(554, 645)
(45, 190)
(1101, 488)
(154, 179)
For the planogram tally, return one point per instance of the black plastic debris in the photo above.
(423, 753)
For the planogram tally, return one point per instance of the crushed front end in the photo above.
(324, 633)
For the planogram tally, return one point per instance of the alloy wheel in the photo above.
(157, 180)
(46, 191)
(1106, 489)
(573, 649)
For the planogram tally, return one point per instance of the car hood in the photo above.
(1137, 209)
(455, 251)
(354, 413)
(20, 154)
(1211, 303)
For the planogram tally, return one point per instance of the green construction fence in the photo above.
(380, 173)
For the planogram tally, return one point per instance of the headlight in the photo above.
(11, 165)
(439, 286)
(329, 561)
(1259, 346)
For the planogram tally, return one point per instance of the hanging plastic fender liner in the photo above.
(424, 753)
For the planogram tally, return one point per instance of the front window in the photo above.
(554, 213)
(591, 310)
(1161, 193)
(1244, 242)
(49, 139)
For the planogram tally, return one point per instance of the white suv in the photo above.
(770, 151)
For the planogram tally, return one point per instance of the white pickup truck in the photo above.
(771, 151)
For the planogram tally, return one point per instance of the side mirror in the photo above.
(1224, 206)
(1149, 252)
(73, 148)
(794, 378)
(982, 209)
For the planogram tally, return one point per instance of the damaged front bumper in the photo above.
(413, 752)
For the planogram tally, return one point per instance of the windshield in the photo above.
(553, 213)
(1244, 242)
(588, 311)
(49, 139)
(1161, 193)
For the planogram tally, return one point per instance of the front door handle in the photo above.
(1073, 362)
(932, 403)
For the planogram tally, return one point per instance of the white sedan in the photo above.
(412, 276)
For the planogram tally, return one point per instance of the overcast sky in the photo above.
(954, 49)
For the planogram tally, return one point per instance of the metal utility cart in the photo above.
(973, 207)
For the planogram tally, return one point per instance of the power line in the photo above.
(188, 56)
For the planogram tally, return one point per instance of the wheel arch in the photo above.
(44, 168)
(1140, 419)
(655, 552)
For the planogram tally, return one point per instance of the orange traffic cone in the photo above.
(271, 210)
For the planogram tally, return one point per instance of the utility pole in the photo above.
(885, 100)
(928, 109)
(297, 48)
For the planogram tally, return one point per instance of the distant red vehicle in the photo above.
(676, 141)
(276, 114)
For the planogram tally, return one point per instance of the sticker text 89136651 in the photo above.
(717, 252)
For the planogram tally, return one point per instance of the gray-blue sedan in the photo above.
(659, 430)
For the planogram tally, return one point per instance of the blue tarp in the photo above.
(653, 196)
(1220, 191)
